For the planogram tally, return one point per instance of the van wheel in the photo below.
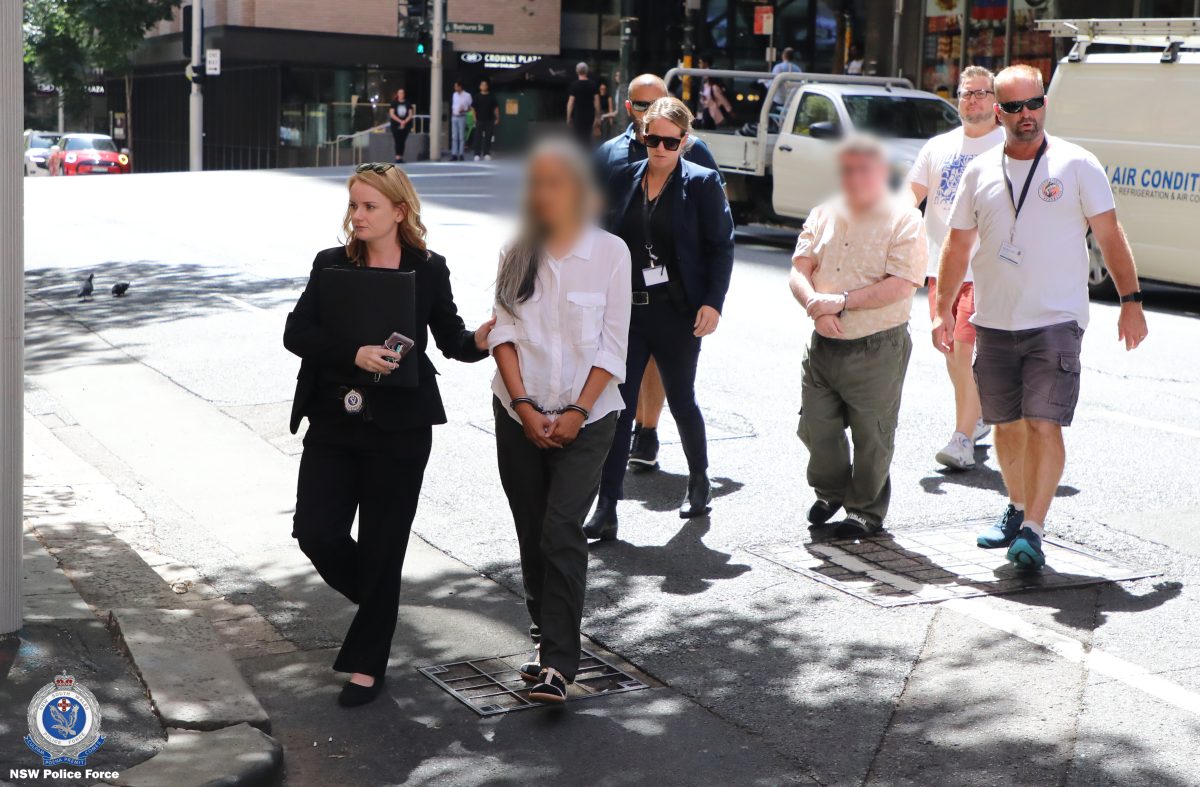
(1100, 283)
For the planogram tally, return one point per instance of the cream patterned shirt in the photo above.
(852, 252)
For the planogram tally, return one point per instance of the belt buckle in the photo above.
(641, 299)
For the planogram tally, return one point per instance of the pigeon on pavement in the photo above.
(86, 290)
(119, 288)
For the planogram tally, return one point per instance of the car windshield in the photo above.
(41, 141)
(80, 143)
(901, 116)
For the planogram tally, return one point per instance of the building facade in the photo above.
(297, 74)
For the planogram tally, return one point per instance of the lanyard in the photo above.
(648, 209)
(1018, 204)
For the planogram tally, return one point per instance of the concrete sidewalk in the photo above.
(282, 625)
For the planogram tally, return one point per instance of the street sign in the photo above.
(764, 20)
(212, 62)
(474, 28)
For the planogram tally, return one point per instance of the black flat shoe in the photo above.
(551, 689)
(699, 495)
(821, 512)
(855, 526)
(354, 695)
(603, 524)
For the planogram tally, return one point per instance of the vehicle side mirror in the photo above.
(824, 130)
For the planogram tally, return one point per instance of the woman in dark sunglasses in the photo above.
(367, 445)
(674, 216)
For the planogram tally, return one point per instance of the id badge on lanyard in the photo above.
(655, 274)
(1010, 252)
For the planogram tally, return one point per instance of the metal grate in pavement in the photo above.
(939, 564)
(491, 686)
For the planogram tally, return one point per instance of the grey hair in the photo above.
(863, 145)
(581, 68)
(522, 259)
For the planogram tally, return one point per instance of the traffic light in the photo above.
(424, 42)
(186, 11)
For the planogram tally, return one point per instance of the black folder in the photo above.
(367, 305)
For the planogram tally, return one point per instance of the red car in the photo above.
(88, 154)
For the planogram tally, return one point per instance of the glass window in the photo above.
(83, 143)
(901, 116)
(814, 108)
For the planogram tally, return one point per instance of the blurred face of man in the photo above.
(864, 179)
(641, 96)
(1026, 124)
(975, 108)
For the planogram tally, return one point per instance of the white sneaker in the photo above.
(477, 157)
(488, 157)
(982, 430)
(959, 453)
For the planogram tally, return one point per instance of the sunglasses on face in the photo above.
(670, 143)
(1013, 107)
(974, 93)
(640, 106)
(378, 169)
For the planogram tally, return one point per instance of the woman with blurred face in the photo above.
(674, 217)
(562, 324)
(367, 445)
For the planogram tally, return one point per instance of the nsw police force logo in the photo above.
(64, 723)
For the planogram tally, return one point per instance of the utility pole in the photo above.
(435, 79)
(12, 315)
(896, 23)
(196, 100)
(628, 31)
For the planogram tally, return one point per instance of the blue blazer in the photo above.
(703, 227)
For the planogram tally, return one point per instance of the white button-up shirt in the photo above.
(460, 102)
(576, 319)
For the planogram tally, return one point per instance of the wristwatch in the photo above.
(1133, 297)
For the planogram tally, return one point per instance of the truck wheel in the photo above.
(1100, 283)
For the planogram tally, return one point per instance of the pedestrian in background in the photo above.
(935, 177)
(611, 159)
(366, 447)
(674, 216)
(583, 107)
(562, 327)
(1029, 204)
(608, 110)
(858, 261)
(487, 116)
(460, 105)
(784, 66)
(715, 108)
(400, 118)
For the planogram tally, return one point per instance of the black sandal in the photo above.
(552, 687)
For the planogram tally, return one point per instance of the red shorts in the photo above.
(964, 307)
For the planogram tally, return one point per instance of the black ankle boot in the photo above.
(603, 524)
(699, 495)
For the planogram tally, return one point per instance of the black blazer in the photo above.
(391, 408)
(703, 227)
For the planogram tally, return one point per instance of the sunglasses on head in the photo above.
(670, 143)
(378, 169)
(1013, 107)
(640, 106)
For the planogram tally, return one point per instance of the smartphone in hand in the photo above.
(399, 344)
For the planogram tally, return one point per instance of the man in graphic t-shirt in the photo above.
(1029, 204)
(935, 177)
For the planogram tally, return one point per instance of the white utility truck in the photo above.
(783, 166)
(1129, 91)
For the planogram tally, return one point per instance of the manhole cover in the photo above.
(492, 685)
(938, 564)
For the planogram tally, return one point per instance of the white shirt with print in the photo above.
(939, 168)
(1049, 284)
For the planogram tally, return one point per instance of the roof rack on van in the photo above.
(1170, 34)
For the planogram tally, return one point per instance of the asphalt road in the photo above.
(1088, 686)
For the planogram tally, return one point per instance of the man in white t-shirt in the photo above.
(1029, 205)
(460, 105)
(934, 177)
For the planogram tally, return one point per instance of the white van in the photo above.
(1138, 111)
